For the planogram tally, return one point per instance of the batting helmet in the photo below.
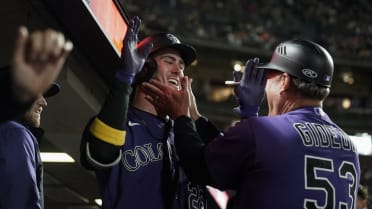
(302, 59)
(162, 41)
(167, 40)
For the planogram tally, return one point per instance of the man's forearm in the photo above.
(190, 149)
(206, 129)
(105, 134)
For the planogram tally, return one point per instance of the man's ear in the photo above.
(285, 81)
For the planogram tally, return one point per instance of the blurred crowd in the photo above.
(344, 27)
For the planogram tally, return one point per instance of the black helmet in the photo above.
(167, 40)
(302, 59)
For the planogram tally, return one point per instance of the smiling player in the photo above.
(131, 149)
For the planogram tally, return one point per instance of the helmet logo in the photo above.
(309, 73)
(173, 38)
(282, 49)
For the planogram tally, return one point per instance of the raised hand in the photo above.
(132, 57)
(194, 112)
(37, 61)
(251, 90)
(167, 100)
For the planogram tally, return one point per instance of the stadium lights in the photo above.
(238, 67)
(56, 157)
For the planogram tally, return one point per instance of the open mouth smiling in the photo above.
(174, 82)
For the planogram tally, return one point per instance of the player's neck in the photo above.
(290, 105)
(143, 104)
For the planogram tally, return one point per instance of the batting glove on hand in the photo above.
(132, 58)
(251, 90)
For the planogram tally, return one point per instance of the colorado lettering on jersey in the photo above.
(320, 135)
(133, 159)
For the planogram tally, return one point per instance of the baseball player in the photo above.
(21, 169)
(295, 157)
(131, 149)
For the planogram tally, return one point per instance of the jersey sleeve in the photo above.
(190, 149)
(228, 156)
(18, 170)
(206, 129)
(104, 134)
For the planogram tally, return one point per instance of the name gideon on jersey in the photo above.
(320, 135)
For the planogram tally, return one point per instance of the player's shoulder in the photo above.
(11, 126)
(264, 120)
(14, 136)
(13, 130)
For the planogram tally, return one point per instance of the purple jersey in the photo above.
(139, 179)
(300, 159)
(20, 168)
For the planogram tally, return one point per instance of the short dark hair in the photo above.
(362, 192)
(310, 89)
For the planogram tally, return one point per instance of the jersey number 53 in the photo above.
(313, 181)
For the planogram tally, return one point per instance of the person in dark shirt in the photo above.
(21, 173)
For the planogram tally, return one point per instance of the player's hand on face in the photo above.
(194, 113)
(168, 100)
(133, 58)
(251, 90)
(38, 59)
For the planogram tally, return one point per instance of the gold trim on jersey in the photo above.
(106, 133)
